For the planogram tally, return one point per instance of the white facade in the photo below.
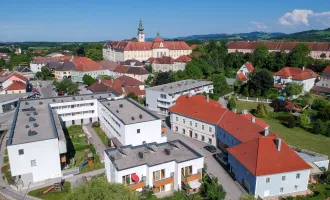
(307, 84)
(130, 134)
(40, 160)
(35, 67)
(282, 184)
(193, 128)
(176, 66)
(77, 76)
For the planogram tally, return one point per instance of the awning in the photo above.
(194, 184)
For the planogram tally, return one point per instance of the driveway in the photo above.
(46, 90)
(233, 189)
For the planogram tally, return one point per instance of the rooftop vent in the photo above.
(173, 145)
(26, 103)
(32, 119)
(35, 113)
(133, 118)
(162, 89)
(92, 96)
(40, 102)
(32, 133)
(140, 116)
(54, 100)
(117, 111)
(27, 126)
(121, 105)
(167, 151)
(140, 154)
(81, 98)
(35, 125)
(109, 95)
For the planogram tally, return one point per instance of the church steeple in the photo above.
(158, 34)
(140, 32)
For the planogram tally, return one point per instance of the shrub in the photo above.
(291, 122)
(231, 104)
(304, 120)
(328, 131)
(319, 127)
(261, 110)
(96, 124)
(5, 160)
(5, 168)
(319, 103)
(9, 178)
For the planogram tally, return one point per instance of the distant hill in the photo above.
(311, 35)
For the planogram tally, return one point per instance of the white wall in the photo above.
(273, 188)
(308, 84)
(323, 163)
(46, 154)
(36, 67)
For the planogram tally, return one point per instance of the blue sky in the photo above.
(95, 20)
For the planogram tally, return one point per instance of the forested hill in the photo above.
(311, 35)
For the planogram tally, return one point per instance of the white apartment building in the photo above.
(126, 122)
(160, 98)
(164, 167)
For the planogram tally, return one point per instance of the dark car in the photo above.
(210, 148)
(221, 158)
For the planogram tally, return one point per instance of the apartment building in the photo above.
(164, 166)
(167, 63)
(323, 86)
(160, 98)
(126, 122)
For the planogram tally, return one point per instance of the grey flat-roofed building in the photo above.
(8, 102)
(152, 154)
(128, 111)
(160, 98)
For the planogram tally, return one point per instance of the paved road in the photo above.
(46, 90)
(234, 191)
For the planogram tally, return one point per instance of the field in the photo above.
(52, 195)
(241, 105)
(297, 136)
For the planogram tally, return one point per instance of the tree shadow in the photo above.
(71, 152)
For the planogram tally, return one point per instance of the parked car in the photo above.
(221, 158)
(210, 148)
(60, 93)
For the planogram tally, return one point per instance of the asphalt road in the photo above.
(46, 89)
(233, 189)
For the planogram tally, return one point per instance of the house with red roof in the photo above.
(167, 63)
(302, 76)
(323, 86)
(13, 83)
(258, 159)
(86, 66)
(142, 50)
(243, 72)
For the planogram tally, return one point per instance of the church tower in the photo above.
(140, 32)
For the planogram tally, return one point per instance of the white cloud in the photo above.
(260, 26)
(304, 17)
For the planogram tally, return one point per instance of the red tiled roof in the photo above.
(279, 86)
(326, 71)
(135, 90)
(109, 65)
(85, 64)
(241, 77)
(193, 46)
(129, 81)
(162, 60)
(137, 71)
(121, 69)
(258, 121)
(249, 66)
(261, 157)
(183, 59)
(201, 108)
(17, 85)
(321, 89)
(158, 39)
(17, 75)
(305, 75)
(296, 73)
(279, 46)
(140, 46)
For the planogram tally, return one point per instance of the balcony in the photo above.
(169, 100)
(164, 181)
(192, 177)
(136, 186)
(163, 105)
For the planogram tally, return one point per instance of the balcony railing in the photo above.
(169, 100)
(191, 177)
(135, 186)
(163, 105)
(163, 181)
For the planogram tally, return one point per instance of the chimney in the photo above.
(207, 98)
(266, 132)
(253, 119)
(244, 112)
(72, 58)
(303, 68)
(278, 143)
(234, 110)
(99, 81)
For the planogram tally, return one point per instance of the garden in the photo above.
(78, 150)
(5, 170)
(53, 194)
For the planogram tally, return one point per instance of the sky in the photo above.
(100, 20)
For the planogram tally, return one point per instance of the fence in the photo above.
(250, 99)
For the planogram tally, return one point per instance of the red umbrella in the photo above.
(135, 178)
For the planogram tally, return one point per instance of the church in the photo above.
(141, 50)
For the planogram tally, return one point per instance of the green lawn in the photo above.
(322, 191)
(241, 105)
(52, 195)
(102, 135)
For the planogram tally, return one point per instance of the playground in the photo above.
(52, 192)
(80, 153)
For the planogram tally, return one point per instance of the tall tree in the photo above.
(261, 80)
(220, 85)
(88, 80)
(259, 56)
(212, 190)
(94, 54)
(294, 89)
(304, 120)
(299, 55)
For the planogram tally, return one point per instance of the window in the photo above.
(196, 125)
(210, 129)
(176, 128)
(184, 131)
(202, 127)
(210, 141)
(281, 189)
(203, 138)
(196, 136)
(33, 163)
(267, 180)
(157, 175)
(283, 178)
(186, 171)
(177, 119)
(144, 142)
(296, 187)
(21, 152)
(190, 123)
(298, 176)
(184, 121)
(138, 131)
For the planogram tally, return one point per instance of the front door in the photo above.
(190, 134)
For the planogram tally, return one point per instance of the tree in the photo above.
(220, 84)
(324, 114)
(212, 190)
(2, 62)
(162, 78)
(247, 197)
(261, 112)
(231, 104)
(319, 103)
(304, 120)
(94, 54)
(132, 96)
(319, 127)
(72, 89)
(100, 189)
(88, 80)
(291, 122)
(294, 89)
(261, 80)
(328, 132)
(299, 54)
(106, 77)
(259, 56)
(323, 55)
(39, 75)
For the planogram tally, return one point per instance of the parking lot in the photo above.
(233, 189)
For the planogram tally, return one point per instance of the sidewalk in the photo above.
(95, 140)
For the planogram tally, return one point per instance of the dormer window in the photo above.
(161, 45)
